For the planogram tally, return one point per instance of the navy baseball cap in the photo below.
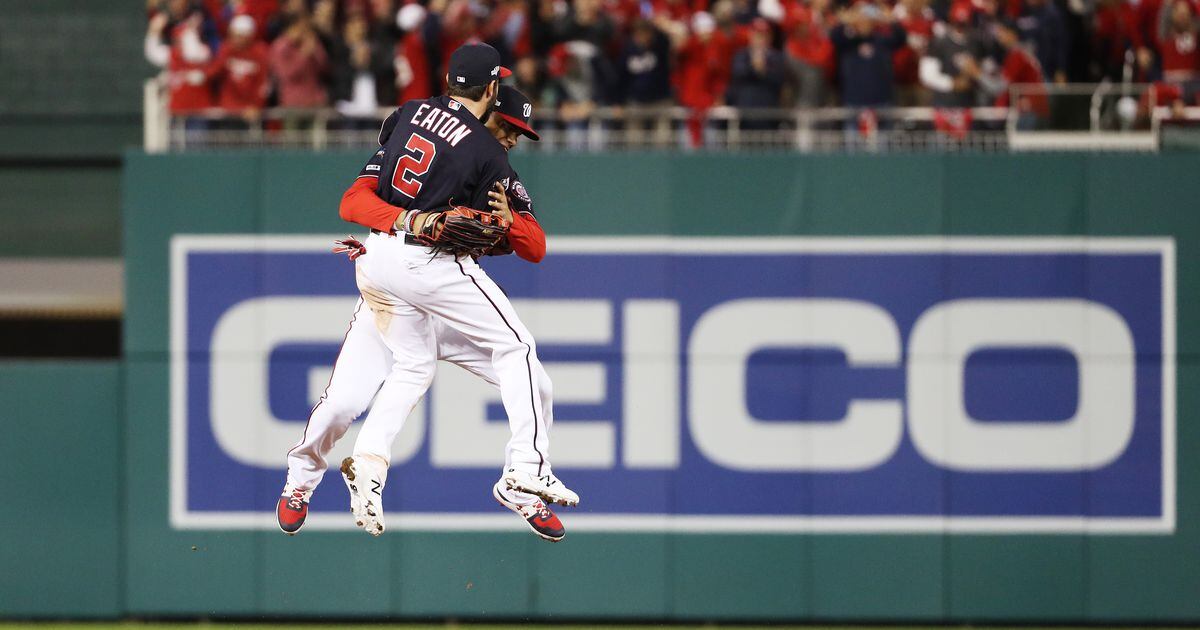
(515, 108)
(476, 64)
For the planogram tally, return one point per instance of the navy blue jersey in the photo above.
(518, 197)
(435, 153)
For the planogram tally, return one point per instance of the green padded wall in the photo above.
(62, 514)
(920, 577)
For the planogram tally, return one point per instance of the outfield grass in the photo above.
(133, 625)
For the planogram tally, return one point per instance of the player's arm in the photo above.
(361, 205)
(525, 235)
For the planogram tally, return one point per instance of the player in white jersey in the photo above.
(410, 324)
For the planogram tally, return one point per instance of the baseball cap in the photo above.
(476, 64)
(242, 25)
(515, 108)
(960, 13)
(703, 23)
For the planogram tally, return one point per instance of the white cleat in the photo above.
(548, 487)
(365, 484)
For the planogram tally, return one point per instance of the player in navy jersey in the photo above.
(434, 153)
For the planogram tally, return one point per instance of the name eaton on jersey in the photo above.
(850, 384)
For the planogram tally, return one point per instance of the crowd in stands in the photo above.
(571, 56)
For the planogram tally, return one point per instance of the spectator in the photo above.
(1114, 34)
(810, 56)
(745, 11)
(758, 74)
(223, 12)
(1177, 43)
(299, 63)
(1041, 26)
(918, 21)
(240, 70)
(384, 34)
(645, 66)
(185, 58)
(324, 21)
(414, 78)
(702, 71)
(289, 11)
(508, 29)
(1145, 36)
(865, 44)
(460, 24)
(585, 23)
(544, 92)
(727, 39)
(950, 67)
(1019, 67)
(699, 75)
(573, 65)
(353, 88)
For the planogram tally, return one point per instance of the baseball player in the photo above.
(410, 297)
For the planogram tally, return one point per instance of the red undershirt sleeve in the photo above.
(527, 238)
(361, 205)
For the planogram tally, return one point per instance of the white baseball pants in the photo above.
(417, 308)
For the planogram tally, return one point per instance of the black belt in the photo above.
(408, 238)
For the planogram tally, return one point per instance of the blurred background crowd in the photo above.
(572, 56)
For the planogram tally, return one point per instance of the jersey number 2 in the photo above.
(409, 168)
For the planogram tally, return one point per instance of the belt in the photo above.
(408, 238)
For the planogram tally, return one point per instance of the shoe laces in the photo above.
(543, 512)
(296, 501)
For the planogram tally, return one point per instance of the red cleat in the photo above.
(541, 520)
(292, 509)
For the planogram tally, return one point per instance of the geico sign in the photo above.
(717, 351)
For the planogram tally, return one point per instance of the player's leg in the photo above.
(469, 302)
(361, 365)
(454, 347)
(406, 332)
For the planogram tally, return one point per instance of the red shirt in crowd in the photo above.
(1116, 28)
(1178, 52)
(260, 10)
(1146, 32)
(907, 58)
(1020, 67)
(188, 84)
(812, 46)
(242, 76)
(187, 78)
(678, 10)
(412, 69)
(298, 67)
(701, 74)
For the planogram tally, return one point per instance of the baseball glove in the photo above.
(462, 230)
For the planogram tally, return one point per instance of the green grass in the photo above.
(133, 625)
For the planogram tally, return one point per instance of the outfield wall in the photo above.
(889, 540)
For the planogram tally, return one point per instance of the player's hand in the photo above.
(499, 202)
(158, 23)
(350, 246)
